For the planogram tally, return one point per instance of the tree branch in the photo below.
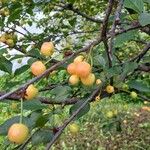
(104, 30)
(56, 136)
(141, 55)
(112, 32)
(77, 11)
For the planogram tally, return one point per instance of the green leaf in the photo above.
(136, 5)
(139, 86)
(21, 70)
(76, 107)
(33, 105)
(35, 53)
(42, 136)
(5, 65)
(42, 120)
(15, 14)
(144, 18)
(61, 92)
(129, 67)
(122, 38)
(3, 50)
(99, 61)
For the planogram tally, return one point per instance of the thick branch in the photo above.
(104, 30)
(112, 32)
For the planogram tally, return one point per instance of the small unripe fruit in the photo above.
(31, 92)
(18, 133)
(71, 69)
(74, 128)
(98, 81)
(74, 80)
(78, 59)
(125, 86)
(89, 80)
(47, 48)
(37, 68)
(83, 69)
(133, 94)
(109, 89)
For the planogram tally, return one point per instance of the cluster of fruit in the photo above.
(80, 70)
(9, 38)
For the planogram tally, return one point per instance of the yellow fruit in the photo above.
(47, 48)
(146, 108)
(133, 95)
(89, 80)
(78, 59)
(37, 68)
(6, 12)
(109, 89)
(74, 128)
(98, 81)
(18, 133)
(10, 42)
(74, 79)
(109, 114)
(3, 38)
(83, 69)
(31, 92)
(71, 69)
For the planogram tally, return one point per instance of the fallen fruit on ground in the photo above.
(74, 128)
(47, 48)
(31, 92)
(74, 80)
(18, 133)
(89, 80)
(37, 68)
(109, 114)
(109, 89)
(83, 69)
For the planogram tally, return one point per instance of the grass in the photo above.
(127, 128)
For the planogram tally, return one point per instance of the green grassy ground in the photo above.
(117, 123)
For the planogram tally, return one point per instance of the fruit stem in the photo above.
(21, 116)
